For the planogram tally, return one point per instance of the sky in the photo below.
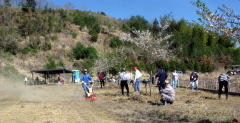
(149, 9)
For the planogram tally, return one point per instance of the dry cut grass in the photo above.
(190, 106)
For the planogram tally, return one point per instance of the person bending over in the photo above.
(223, 81)
(167, 94)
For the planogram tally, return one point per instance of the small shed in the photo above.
(50, 72)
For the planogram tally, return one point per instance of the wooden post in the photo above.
(229, 87)
(32, 77)
(150, 84)
(45, 76)
(48, 77)
(64, 76)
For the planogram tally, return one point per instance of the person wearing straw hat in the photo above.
(167, 94)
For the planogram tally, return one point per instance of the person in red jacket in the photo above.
(101, 77)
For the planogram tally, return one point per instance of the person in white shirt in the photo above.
(124, 78)
(175, 81)
(25, 80)
(137, 79)
(223, 81)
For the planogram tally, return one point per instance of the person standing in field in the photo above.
(124, 78)
(194, 80)
(25, 80)
(85, 79)
(59, 80)
(223, 81)
(162, 76)
(101, 77)
(175, 80)
(137, 79)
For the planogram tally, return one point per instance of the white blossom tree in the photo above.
(223, 21)
(106, 63)
(156, 48)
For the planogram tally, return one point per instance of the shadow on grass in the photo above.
(155, 103)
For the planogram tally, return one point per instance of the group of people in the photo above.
(166, 89)
(125, 78)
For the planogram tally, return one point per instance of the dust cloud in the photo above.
(15, 90)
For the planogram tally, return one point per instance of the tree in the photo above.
(156, 48)
(155, 27)
(224, 21)
(107, 63)
(31, 4)
(137, 23)
(7, 2)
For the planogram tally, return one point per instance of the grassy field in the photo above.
(190, 106)
(61, 104)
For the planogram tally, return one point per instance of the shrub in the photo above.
(54, 38)
(46, 46)
(91, 52)
(51, 63)
(163, 64)
(31, 48)
(74, 35)
(83, 19)
(94, 32)
(115, 42)
(60, 63)
(136, 23)
(94, 37)
(81, 52)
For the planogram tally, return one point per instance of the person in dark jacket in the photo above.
(162, 76)
(223, 81)
(194, 80)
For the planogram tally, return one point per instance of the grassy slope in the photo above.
(61, 45)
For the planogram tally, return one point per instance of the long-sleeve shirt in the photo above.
(175, 76)
(223, 77)
(162, 76)
(124, 76)
(137, 74)
(169, 91)
(86, 78)
(193, 77)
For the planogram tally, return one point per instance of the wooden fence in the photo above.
(207, 85)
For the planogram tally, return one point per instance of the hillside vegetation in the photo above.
(51, 38)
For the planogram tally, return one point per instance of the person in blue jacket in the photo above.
(85, 79)
(162, 76)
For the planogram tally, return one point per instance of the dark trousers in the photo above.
(221, 85)
(102, 82)
(124, 84)
(161, 86)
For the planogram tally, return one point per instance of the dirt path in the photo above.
(50, 104)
